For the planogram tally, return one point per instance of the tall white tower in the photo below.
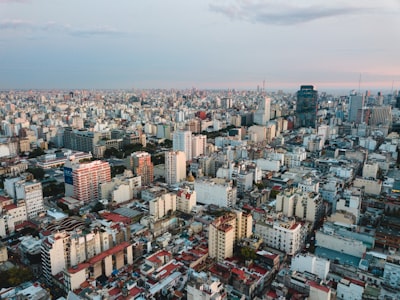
(182, 141)
(175, 166)
(263, 113)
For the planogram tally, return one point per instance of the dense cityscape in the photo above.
(199, 194)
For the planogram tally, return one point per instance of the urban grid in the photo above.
(199, 150)
(169, 194)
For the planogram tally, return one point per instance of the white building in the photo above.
(282, 235)
(263, 113)
(201, 288)
(294, 159)
(391, 277)
(308, 185)
(53, 255)
(257, 133)
(327, 238)
(12, 215)
(216, 191)
(182, 141)
(310, 263)
(199, 143)
(175, 166)
(370, 170)
(268, 164)
(31, 193)
(350, 289)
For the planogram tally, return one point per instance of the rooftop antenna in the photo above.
(359, 84)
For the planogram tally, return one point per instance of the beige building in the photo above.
(305, 205)
(185, 200)
(3, 253)
(371, 186)
(319, 292)
(225, 231)
(163, 205)
(370, 170)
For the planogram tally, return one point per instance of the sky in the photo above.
(216, 44)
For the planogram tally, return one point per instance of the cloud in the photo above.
(285, 12)
(54, 27)
(15, 24)
(95, 31)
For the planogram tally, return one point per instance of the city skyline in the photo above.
(203, 44)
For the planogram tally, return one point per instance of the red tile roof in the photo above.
(109, 252)
(10, 207)
(78, 268)
(115, 218)
(318, 286)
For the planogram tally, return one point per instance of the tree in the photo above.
(38, 173)
(247, 253)
(98, 207)
(15, 276)
(53, 189)
(115, 170)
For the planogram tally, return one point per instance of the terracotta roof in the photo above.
(318, 286)
(108, 252)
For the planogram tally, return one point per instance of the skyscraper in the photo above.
(306, 106)
(199, 143)
(182, 141)
(263, 113)
(142, 166)
(175, 166)
(356, 104)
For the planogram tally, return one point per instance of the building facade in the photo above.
(306, 106)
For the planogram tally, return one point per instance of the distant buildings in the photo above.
(263, 112)
(355, 109)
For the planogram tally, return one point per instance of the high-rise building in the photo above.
(356, 103)
(199, 143)
(175, 166)
(381, 115)
(32, 193)
(224, 231)
(82, 179)
(142, 166)
(306, 106)
(182, 141)
(20, 188)
(263, 113)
